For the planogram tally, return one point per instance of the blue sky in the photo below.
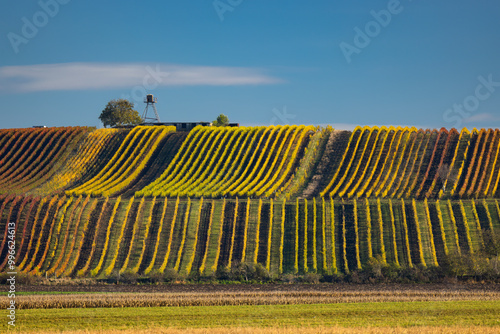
(422, 63)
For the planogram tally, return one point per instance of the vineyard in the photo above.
(282, 162)
(294, 199)
(76, 236)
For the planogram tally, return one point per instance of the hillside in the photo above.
(270, 162)
(77, 236)
(295, 199)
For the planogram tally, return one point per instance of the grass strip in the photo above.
(414, 314)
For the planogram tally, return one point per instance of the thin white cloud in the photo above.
(483, 117)
(85, 76)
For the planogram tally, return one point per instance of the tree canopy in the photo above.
(221, 120)
(119, 113)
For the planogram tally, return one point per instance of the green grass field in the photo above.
(460, 314)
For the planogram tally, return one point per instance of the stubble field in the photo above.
(259, 308)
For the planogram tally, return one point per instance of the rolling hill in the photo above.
(295, 199)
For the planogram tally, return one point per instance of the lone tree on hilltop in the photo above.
(221, 120)
(119, 113)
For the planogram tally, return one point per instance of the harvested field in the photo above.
(217, 295)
